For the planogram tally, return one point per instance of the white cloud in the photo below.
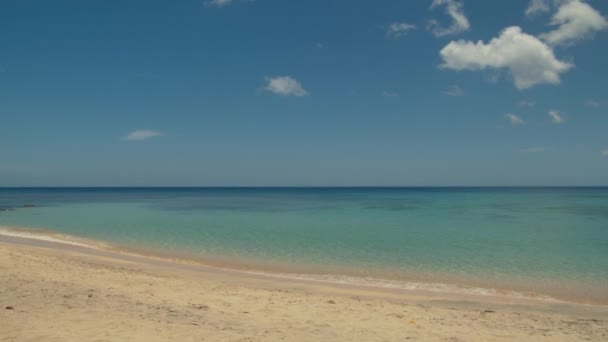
(514, 119)
(454, 9)
(142, 134)
(575, 20)
(532, 150)
(285, 86)
(397, 30)
(605, 152)
(527, 103)
(556, 117)
(529, 60)
(453, 90)
(538, 6)
(218, 3)
(592, 104)
(222, 3)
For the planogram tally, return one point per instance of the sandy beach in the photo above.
(55, 292)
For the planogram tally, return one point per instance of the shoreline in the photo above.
(55, 240)
(55, 291)
(375, 287)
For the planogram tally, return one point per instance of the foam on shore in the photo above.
(439, 288)
(48, 236)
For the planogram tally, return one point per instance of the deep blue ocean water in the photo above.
(545, 240)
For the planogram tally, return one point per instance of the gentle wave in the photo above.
(33, 234)
(406, 285)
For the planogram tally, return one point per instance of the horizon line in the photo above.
(290, 186)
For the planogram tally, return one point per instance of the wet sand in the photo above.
(50, 291)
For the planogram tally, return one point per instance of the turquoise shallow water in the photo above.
(551, 240)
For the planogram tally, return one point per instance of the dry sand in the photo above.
(52, 292)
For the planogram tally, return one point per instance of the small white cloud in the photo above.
(532, 150)
(592, 104)
(514, 119)
(454, 9)
(142, 134)
(222, 3)
(218, 3)
(575, 20)
(285, 86)
(453, 90)
(538, 6)
(529, 60)
(396, 30)
(527, 103)
(605, 152)
(319, 45)
(388, 93)
(556, 117)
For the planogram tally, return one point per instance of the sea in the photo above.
(545, 243)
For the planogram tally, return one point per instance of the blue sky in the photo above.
(274, 92)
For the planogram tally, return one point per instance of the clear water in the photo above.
(531, 239)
